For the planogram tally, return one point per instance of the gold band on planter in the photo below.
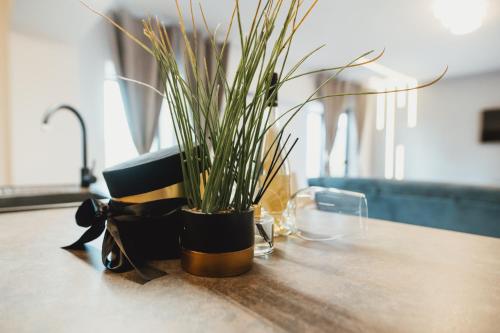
(217, 264)
(169, 192)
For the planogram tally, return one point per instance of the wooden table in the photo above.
(397, 278)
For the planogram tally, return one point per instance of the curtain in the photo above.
(360, 105)
(206, 61)
(333, 108)
(213, 65)
(205, 55)
(142, 105)
(359, 108)
(366, 149)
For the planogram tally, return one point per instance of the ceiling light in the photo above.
(460, 16)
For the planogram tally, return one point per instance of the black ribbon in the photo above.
(134, 233)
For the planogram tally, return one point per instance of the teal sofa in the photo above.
(464, 208)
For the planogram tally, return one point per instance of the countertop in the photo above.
(35, 197)
(395, 278)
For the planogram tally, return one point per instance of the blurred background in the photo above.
(57, 51)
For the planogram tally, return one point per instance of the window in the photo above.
(315, 143)
(166, 135)
(342, 151)
(118, 144)
(339, 154)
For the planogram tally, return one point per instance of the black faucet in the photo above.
(87, 177)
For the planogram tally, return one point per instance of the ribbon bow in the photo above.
(126, 244)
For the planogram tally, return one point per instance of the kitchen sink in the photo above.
(22, 198)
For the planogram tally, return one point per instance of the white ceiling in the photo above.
(416, 43)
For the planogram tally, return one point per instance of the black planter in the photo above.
(217, 245)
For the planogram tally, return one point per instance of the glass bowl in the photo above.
(322, 214)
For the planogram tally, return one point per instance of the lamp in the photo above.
(460, 16)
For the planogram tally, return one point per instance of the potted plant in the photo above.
(222, 144)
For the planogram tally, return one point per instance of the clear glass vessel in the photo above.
(321, 214)
(264, 235)
(278, 193)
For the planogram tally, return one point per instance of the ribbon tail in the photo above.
(92, 233)
(147, 273)
(112, 257)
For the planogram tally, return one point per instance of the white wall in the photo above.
(4, 93)
(445, 144)
(93, 52)
(46, 72)
(43, 73)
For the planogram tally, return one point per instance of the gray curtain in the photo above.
(207, 62)
(360, 105)
(213, 65)
(333, 108)
(142, 105)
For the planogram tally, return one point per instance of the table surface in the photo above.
(395, 278)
